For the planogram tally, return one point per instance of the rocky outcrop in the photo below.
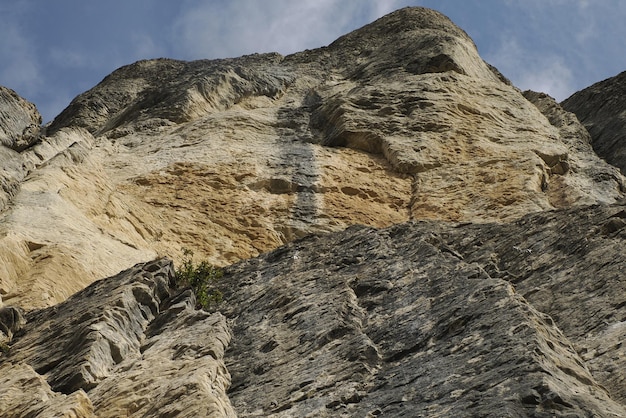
(231, 158)
(130, 345)
(426, 318)
(19, 121)
(19, 125)
(483, 278)
(600, 108)
(434, 319)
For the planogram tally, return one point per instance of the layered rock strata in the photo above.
(493, 286)
(426, 318)
(398, 120)
(129, 345)
(600, 108)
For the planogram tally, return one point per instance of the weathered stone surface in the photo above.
(600, 108)
(434, 319)
(26, 393)
(516, 311)
(592, 181)
(231, 158)
(129, 345)
(11, 321)
(424, 318)
(19, 121)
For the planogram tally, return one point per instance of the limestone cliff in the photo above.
(398, 120)
(600, 108)
(492, 287)
(425, 318)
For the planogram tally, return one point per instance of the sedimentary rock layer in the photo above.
(600, 108)
(130, 345)
(425, 318)
(230, 158)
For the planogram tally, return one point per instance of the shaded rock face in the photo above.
(434, 319)
(230, 158)
(19, 121)
(19, 128)
(600, 108)
(425, 318)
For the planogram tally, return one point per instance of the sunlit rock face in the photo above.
(484, 275)
(398, 120)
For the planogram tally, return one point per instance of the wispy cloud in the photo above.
(547, 72)
(214, 30)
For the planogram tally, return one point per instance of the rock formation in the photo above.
(600, 108)
(426, 318)
(483, 278)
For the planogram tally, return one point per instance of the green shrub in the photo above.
(4, 348)
(201, 278)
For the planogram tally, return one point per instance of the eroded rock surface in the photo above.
(425, 318)
(434, 319)
(600, 108)
(236, 157)
(231, 158)
(129, 345)
(517, 310)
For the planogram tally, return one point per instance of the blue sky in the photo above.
(50, 51)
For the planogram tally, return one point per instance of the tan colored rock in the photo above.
(231, 158)
(400, 120)
(26, 393)
(131, 345)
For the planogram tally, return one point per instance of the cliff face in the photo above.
(600, 108)
(398, 120)
(486, 300)
(425, 318)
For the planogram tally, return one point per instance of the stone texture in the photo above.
(492, 286)
(231, 158)
(26, 393)
(434, 319)
(19, 121)
(600, 108)
(425, 318)
(130, 345)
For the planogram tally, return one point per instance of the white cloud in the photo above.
(532, 69)
(144, 46)
(552, 77)
(237, 27)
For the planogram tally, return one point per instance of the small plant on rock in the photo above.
(201, 277)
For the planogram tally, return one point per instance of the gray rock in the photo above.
(600, 108)
(11, 321)
(433, 319)
(420, 319)
(161, 92)
(19, 121)
(129, 345)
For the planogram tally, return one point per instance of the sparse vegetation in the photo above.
(202, 278)
(4, 348)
